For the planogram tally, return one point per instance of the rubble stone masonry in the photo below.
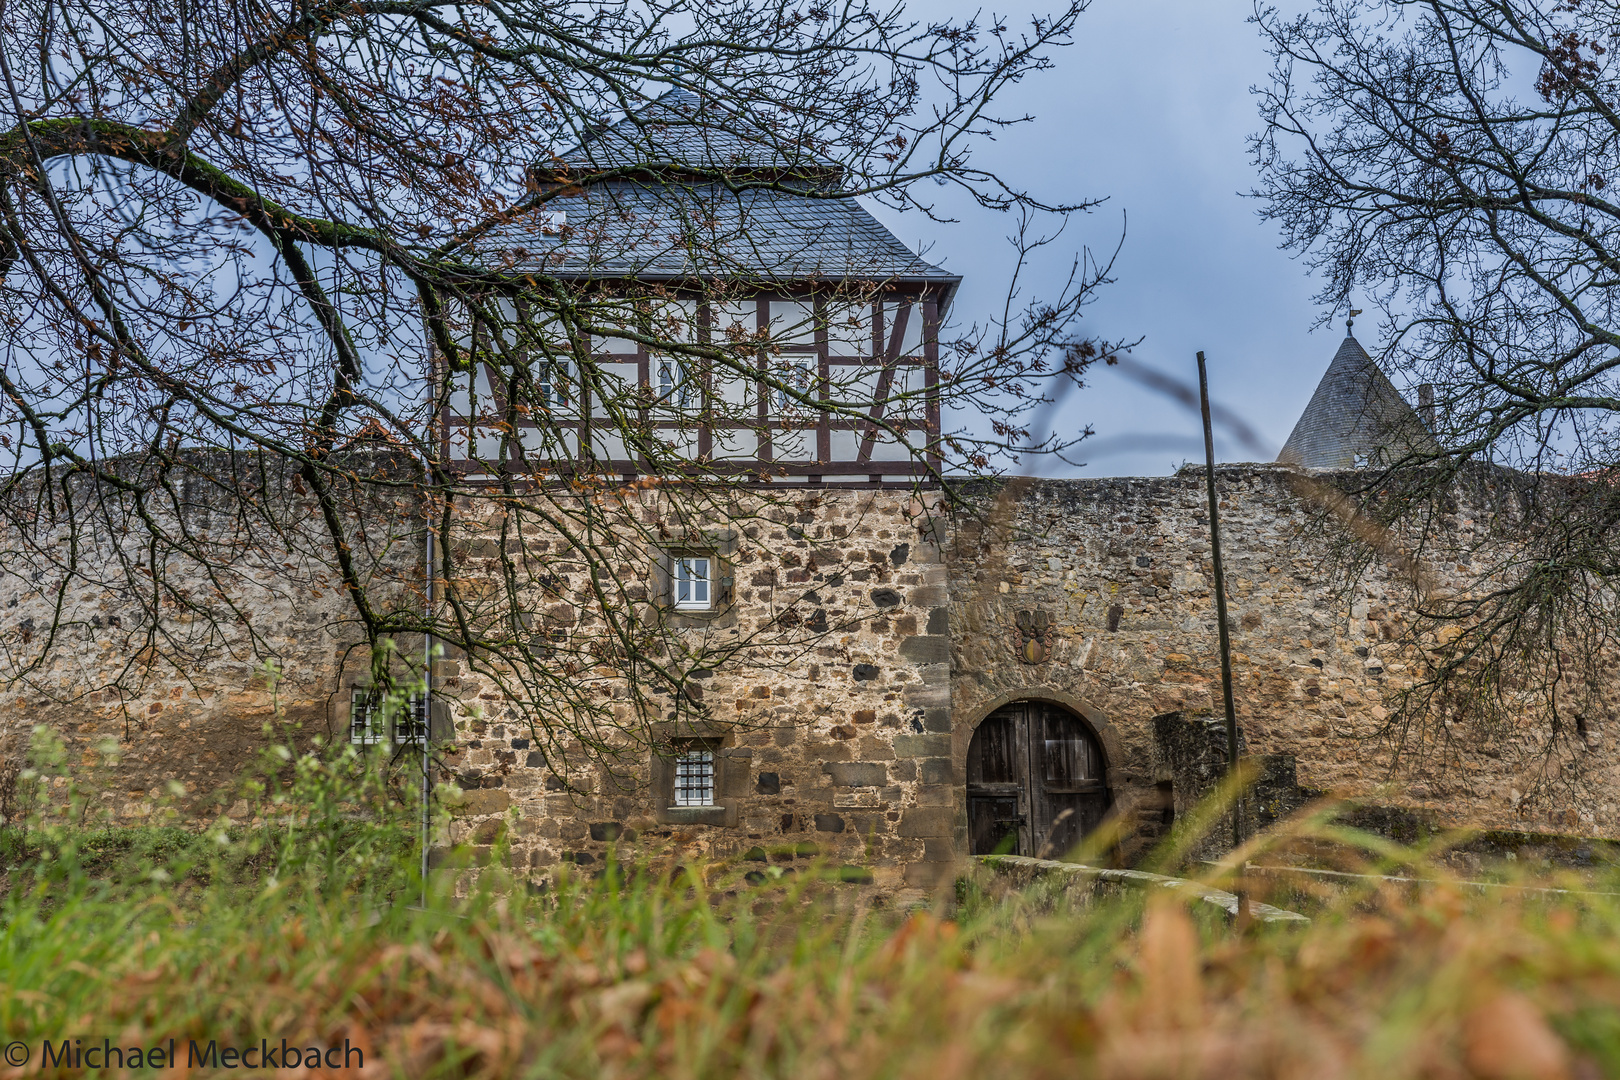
(850, 746)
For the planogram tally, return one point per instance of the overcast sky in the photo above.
(1151, 108)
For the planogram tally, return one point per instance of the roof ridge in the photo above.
(687, 138)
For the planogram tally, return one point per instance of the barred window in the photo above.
(694, 778)
(370, 720)
(411, 722)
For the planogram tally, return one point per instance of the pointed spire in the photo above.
(1355, 418)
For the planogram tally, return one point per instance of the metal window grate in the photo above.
(694, 778)
(369, 720)
(411, 723)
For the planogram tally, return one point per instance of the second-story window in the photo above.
(674, 387)
(797, 373)
(553, 383)
(693, 582)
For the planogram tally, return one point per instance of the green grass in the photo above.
(308, 928)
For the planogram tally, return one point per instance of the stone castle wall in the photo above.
(832, 730)
(849, 743)
(160, 693)
(832, 745)
(1123, 567)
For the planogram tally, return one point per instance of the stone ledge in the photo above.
(1028, 869)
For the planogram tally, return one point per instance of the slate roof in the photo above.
(1355, 417)
(645, 229)
(682, 129)
(672, 225)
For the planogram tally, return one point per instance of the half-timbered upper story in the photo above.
(699, 299)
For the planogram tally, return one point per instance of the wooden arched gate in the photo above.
(1035, 782)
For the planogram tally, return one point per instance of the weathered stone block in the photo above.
(482, 801)
(867, 824)
(928, 695)
(926, 649)
(857, 773)
(489, 832)
(922, 746)
(832, 823)
(927, 821)
(935, 771)
(929, 875)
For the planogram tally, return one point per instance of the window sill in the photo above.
(687, 618)
(722, 816)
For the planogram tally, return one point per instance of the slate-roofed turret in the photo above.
(1355, 418)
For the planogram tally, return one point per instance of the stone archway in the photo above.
(1037, 779)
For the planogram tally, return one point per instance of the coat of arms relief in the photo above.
(1033, 636)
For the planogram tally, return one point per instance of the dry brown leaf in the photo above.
(1507, 1039)
(1172, 997)
(624, 1004)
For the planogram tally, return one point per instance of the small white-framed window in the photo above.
(694, 776)
(797, 372)
(693, 582)
(370, 722)
(674, 385)
(553, 383)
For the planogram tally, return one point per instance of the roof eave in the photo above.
(949, 281)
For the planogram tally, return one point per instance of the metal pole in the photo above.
(427, 715)
(1220, 596)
